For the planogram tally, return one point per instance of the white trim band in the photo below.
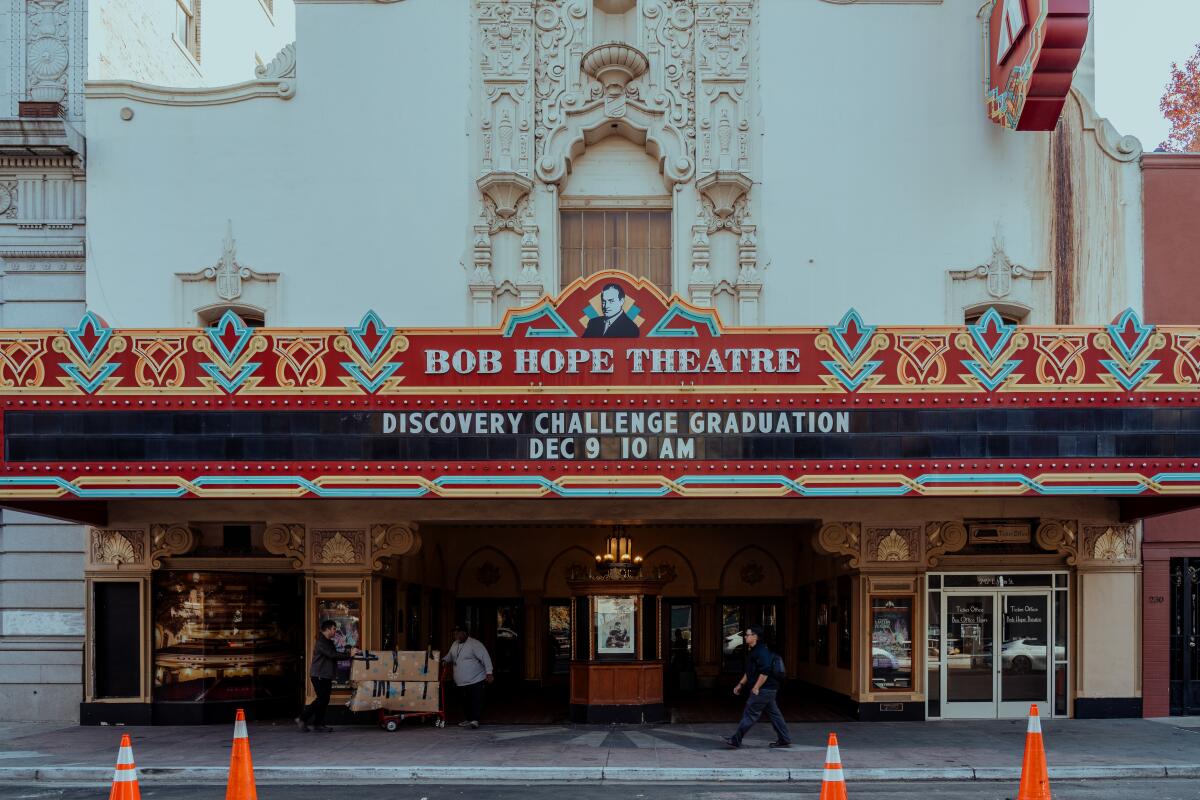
(834, 776)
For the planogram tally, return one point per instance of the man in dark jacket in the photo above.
(322, 673)
(763, 687)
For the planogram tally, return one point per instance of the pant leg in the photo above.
(324, 687)
(754, 708)
(777, 721)
(306, 713)
(475, 701)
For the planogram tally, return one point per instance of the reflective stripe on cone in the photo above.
(241, 766)
(833, 783)
(1035, 783)
(125, 780)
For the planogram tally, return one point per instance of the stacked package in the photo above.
(400, 680)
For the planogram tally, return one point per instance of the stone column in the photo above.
(535, 634)
(707, 635)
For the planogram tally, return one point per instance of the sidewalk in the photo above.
(992, 750)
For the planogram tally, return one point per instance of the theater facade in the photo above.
(930, 522)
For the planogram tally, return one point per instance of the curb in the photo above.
(102, 776)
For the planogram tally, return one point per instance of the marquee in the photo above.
(609, 390)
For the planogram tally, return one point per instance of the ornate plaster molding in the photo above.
(116, 547)
(275, 80)
(339, 547)
(841, 539)
(1110, 543)
(884, 2)
(942, 538)
(227, 274)
(999, 273)
(169, 540)
(639, 123)
(505, 189)
(1061, 536)
(398, 539)
(1119, 148)
(893, 544)
(286, 539)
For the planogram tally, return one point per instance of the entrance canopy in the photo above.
(609, 390)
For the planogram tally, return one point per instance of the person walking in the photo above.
(472, 671)
(761, 675)
(321, 674)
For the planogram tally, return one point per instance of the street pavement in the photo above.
(1066, 790)
(904, 751)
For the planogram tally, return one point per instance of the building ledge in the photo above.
(39, 137)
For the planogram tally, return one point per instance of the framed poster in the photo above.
(616, 627)
(891, 643)
(347, 613)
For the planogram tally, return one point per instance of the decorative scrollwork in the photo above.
(841, 539)
(169, 540)
(1060, 536)
(286, 539)
(942, 538)
(400, 539)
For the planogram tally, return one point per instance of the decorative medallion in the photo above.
(488, 574)
(752, 573)
(666, 572)
(575, 571)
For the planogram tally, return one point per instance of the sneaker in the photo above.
(465, 724)
(302, 726)
(777, 743)
(731, 742)
(474, 724)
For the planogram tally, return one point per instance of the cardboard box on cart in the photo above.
(396, 665)
(411, 696)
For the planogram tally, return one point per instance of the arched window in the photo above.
(615, 214)
(1011, 314)
(251, 317)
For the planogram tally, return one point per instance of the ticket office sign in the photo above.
(609, 389)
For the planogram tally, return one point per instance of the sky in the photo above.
(1136, 42)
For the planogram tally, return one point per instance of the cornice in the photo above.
(39, 138)
(879, 2)
(279, 88)
(346, 2)
(1171, 161)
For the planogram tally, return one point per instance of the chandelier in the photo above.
(618, 559)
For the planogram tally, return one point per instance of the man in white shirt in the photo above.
(472, 671)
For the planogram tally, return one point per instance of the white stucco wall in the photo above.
(880, 173)
(134, 40)
(355, 190)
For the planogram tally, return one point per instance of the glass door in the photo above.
(1025, 666)
(968, 671)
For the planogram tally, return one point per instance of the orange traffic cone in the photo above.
(125, 784)
(241, 767)
(833, 785)
(1035, 783)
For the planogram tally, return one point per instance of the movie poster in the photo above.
(616, 633)
(347, 614)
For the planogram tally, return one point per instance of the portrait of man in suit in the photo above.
(613, 323)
